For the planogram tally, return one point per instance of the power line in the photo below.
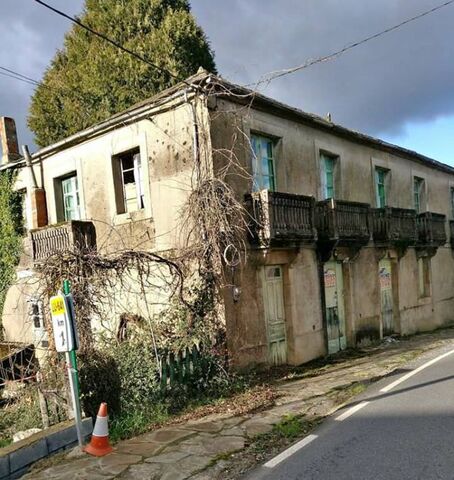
(309, 63)
(109, 40)
(7, 72)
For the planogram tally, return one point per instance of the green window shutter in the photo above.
(327, 166)
(329, 171)
(71, 201)
(380, 186)
(263, 163)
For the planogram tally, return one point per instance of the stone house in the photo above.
(349, 235)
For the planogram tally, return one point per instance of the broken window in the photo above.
(129, 191)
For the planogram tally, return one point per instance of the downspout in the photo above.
(28, 163)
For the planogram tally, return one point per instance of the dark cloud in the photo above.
(405, 76)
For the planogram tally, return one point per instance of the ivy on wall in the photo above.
(11, 230)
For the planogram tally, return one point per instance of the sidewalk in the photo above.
(204, 449)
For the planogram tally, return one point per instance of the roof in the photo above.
(213, 84)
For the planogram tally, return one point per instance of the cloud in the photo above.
(378, 88)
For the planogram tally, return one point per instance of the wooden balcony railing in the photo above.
(69, 236)
(431, 229)
(394, 226)
(281, 218)
(342, 221)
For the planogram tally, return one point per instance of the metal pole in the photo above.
(72, 353)
(73, 377)
(75, 399)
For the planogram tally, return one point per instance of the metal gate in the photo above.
(386, 294)
(275, 315)
(334, 303)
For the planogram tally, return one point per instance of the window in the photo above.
(263, 163)
(68, 201)
(128, 179)
(452, 201)
(418, 193)
(380, 186)
(424, 277)
(328, 165)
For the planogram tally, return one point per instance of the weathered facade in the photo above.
(349, 236)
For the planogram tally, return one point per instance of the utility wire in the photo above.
(7, 72)
(112, 42)
(280, 73)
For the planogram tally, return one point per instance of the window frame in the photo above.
(258, 174)
(119, 172)
(418, 192)
(378, 198)
(61, 195)
(451, 192)
(325, 159)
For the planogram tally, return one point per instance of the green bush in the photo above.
(99, 382)
(138, 373)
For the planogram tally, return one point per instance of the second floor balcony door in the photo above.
(263, 163)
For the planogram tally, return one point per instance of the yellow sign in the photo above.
(57, 306)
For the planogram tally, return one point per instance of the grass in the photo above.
(136, 422)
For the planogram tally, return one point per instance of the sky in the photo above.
(399, 87)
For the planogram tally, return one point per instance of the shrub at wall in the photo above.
(10, 233)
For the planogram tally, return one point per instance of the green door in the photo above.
(275, 315)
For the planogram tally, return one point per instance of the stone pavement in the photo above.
(191, 450)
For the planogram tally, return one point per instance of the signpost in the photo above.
(67, 341)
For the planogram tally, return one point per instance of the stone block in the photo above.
(28, 455)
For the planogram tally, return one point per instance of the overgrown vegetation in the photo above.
(19, 413)
(10, 233)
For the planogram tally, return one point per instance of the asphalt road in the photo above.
(390, 432)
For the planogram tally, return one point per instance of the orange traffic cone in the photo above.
(99, 444)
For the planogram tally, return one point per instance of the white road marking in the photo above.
(290, 451)
(415, 371)
(351, 411)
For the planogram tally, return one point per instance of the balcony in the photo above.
(280, 219)
(64, 237)
(431, 229)
(394, 226)
(342, 222)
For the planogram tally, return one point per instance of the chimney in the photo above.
(8, 135)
